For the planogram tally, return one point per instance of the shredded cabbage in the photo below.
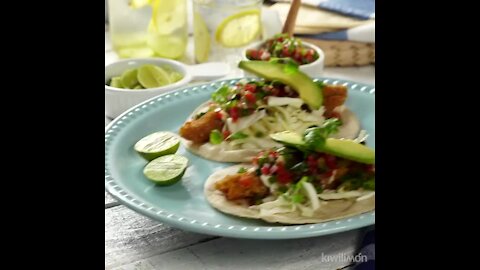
(281, 101)
(312, 195)
(244, 122)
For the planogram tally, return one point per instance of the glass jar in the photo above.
(223, 28)
(148, 28)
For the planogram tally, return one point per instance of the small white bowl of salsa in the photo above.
(309, 57)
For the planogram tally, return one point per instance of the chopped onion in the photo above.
(312, 195)
(281, 101)
(245, 122)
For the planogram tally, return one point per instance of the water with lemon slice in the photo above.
(223, 28)
(146, 28)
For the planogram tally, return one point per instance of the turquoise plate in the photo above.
(183, 205)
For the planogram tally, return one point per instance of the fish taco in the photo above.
(237, 121)
(311, 178)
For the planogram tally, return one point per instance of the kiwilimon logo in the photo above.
(358, 258)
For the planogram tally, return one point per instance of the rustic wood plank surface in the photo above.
(110, 201)
(136, 242)
(131, 237)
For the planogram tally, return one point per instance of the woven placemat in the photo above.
(345, 53)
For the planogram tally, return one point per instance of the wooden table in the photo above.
(133, 241)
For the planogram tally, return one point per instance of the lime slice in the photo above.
(151, 76)
(157, 144)
(138, 86)
(138, 3)
(201, 38)
(175, 76)
(129, 78)
(166, 170)
(116, 82)
(239, 29)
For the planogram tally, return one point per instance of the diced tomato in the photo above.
(283, 176)
(226, 133)
(265, 169)
(219, 114)
(309, 58)
(273, 154)
(234, 113)
(250, 97)
(253, 54)
(312, 163)
(251, 87)
(246, 180)
(331, 162)
(285, 52)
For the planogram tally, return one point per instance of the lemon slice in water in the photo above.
(168, 16)
(201, 38)
(239, 29)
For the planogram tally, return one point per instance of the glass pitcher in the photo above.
(223, 28)
(148, 28)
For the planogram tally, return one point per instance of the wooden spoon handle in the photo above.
(289, 25)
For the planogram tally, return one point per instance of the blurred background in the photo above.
(343, 29)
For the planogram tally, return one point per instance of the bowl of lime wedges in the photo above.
(131, 81)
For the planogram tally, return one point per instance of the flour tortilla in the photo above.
(349, 130)
(331, 210)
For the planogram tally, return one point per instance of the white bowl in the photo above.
(118, 100)
(313, 69)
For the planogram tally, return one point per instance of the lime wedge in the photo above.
(239, 29)
(129, 78)
(116, 82)
(201, 38)
(151, 76)
(175, 76)
(157, 144)
(138, 86)
(166, 170)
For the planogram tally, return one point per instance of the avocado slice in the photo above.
(347, 149)
(308, 90)
(289, 138)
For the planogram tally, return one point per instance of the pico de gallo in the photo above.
(283, 46)
(246, 98)
(301, 176)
